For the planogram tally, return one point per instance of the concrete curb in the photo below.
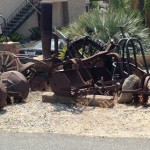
(89, 100)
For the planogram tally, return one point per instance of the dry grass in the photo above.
(92, 101)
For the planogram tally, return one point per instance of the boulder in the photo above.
(130, 83)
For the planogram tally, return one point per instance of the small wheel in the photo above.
(8, 62)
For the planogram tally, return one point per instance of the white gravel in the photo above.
(36, 116)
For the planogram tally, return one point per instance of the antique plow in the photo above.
(92, 75)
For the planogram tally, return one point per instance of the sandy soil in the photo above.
(36, 116)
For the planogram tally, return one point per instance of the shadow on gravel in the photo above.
(2, 111)
(77, 105)
(72, 108)
(139, 104)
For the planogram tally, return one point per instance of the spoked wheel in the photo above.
(8, 61)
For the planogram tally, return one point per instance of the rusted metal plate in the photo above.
(3, 95)
(16, 84)
(39, 82)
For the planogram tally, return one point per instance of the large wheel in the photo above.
(84, 47)
(8, 62)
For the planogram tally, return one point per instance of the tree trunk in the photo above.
(147, 12)
(134, 4)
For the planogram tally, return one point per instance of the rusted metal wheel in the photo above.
(38, 83)
(3, 95)
(84, 47)
(8, 61)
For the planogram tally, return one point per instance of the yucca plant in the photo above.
(104, 25)
(93, 4)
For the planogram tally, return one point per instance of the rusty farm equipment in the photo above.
(100, 72)
(13, 78)
(13, 86)
(89, 66)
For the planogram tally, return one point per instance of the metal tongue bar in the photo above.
(61, 35)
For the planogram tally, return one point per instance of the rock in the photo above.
(130, 83)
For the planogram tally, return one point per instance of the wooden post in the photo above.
(46, 28)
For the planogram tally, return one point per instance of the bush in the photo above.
(15, 37)
(104, 25)
(35, 33)
(2, 39)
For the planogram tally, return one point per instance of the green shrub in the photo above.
(15, 37)
(2, 39)
(35, 33)
(104, 25)
(63, 51)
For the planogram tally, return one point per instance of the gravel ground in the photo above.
(36, 116)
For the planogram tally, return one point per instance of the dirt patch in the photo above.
(36, 116)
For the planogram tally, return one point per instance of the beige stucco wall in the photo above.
(7, 7)
(32, 21)
(75, 8)
(57, 14)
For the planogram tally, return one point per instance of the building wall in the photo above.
(60, 15)
(32, 21)
(7, 7)
(57, 14)
(76, 8)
